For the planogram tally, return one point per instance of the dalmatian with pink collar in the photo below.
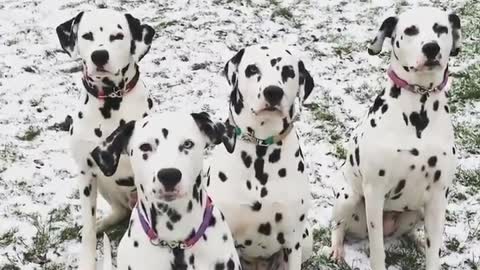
(401, 158)
(110, 45)
(175, 225)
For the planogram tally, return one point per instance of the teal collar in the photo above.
(250, 136)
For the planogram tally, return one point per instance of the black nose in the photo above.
(100, 57)
(169, 177)
(273, 95)
(431, 50)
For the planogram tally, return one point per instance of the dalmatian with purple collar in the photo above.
(174, 225)
(259, 181)
(401, 158)
(110, 45)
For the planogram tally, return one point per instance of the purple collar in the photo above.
(155, 240)
(416, 88)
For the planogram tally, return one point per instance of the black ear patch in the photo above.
(216, 132)
(386, 30)
(456, 34)
(306, 82)
(67, 34)
(108, 154)
(142, 37)
(231, 72)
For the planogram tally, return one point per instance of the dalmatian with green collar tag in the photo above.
(110, 45)
(401, 158)
(174, 225)
(259, 181)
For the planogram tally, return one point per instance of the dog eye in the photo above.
(145, 147)
(188, 144)
(88, 36)
(118, 36)
(251, 70)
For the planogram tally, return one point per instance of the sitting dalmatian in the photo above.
(110, 45)
(401, 158)
(174, 225)
(258, 179)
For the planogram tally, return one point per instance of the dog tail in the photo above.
(107, 253)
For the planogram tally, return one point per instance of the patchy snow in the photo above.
(39, 86)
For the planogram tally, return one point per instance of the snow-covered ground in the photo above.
(39, 86)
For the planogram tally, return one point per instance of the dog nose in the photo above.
(431, 50)
(273, 95)
(169, 177)
(100, 57)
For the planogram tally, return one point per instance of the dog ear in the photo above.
(386, 30)
(108, 154)
(142, 37)
(231, 67)
(215, 132)
(67, 34)
(305, 81)
(457, 34)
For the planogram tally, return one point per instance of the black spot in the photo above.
(297, 246)
(256, 206)
(287, 72)
(437, 175)
(278, 217)
(80, 115)
(372, 225)
(265, 228)
(236, 98)
(249, 185)
(251, 70)
(419, 120)
(89, 162)
(411, 31)
(86, 99)
(414, 151)
(405, 118)
(145, 156)
(381, 173)
(125, 182)
(301, 167)
(145, 147)
(432, 161)
(384, 108)
(281, 238)
(86, 191)
(247, 160)
(263, 192)
(302, 217)
(135, 244)
(351, 160)
(261, 176)
(400, 186)
(376, 104)
(428, 242)
(192, 259)
(446, 109)
(435, 105)
(274, 61)
(282, 172)
(274, 156)
(222, 176)
(357, 155)
(179, 262)
(98, 132)
(165, 132)
(395, 92)
(150, 103)
(372, 122)
(230, 264)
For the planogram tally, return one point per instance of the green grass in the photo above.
(470, 179)
(30, 134)
(466, 87)
(468, 137)
(8, 237)
(406, 255)
(9, 154)
(469, 15)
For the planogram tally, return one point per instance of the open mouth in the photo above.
(432, 63)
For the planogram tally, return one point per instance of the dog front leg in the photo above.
(87, 185)
(434, 225)
(374, 201)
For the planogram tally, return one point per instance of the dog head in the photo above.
(165, 152)
(422, 39)
(265, 82)
(107, 41)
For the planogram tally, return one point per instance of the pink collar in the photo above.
(155, 240)
(414, 87)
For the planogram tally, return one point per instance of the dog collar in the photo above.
(156, 241)
(414, 87)
(114, 92)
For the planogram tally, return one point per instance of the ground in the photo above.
(39, 87)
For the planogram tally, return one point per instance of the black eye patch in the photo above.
(440, 29)
(287, 72)
(411, 31)
(251, 70)
(118, 36)
(88, 36)
(145, 147)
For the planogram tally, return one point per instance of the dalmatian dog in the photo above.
(110, 45)
(259, 181)
(174, 224)
(401, 158)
